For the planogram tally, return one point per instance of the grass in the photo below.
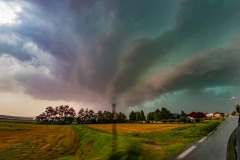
(94, 142)
(231, 149)
(159, 141)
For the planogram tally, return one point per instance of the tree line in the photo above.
(157, 115)
(66, 115)
(164, 115)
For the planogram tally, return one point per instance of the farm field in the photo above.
(23, 141)
(27, 140)
(137, 127)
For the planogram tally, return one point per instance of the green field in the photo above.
(26, 140)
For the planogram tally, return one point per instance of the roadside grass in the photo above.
(231, 148)
(161, 142)
(96, 145)
(174, 142)
(94, 142)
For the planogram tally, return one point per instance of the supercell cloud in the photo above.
(136, 51)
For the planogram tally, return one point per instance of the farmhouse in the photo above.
(209, 115)
(218, 115)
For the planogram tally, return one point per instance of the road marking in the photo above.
(210, 133)
(202, 139)
(186, 152)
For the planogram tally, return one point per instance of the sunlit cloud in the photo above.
(9, 13)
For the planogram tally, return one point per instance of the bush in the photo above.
(183, 119)
(132, 152)
(197, 120)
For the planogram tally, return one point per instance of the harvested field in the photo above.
(21, 141)
(137, 128)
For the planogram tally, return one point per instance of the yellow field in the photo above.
(137, 128)
(31, 141)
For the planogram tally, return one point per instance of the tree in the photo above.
(61, 110)
(162, 114)
(100, 117)
(81, 116)
(122, 118)
(108, 117)
(92, 117)
(234, 113)
(183, 119)
(42, 118)
(183, 114)
(238, 111)
(61, 115)
(150, 116)
(165, 114)
(138, 116)
(143, 118)
(86, 116)
(132, 117)
(66, 114)
(237, 108)
(50, 114)
(157, 115)
(69, 115)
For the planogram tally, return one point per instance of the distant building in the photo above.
(191, 118)
(218, 115)
(209, 115)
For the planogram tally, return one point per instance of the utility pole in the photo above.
(114, 128)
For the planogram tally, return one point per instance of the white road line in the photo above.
(202, 139)
(210, 133)
(186, 152)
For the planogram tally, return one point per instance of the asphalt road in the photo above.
(213, 147)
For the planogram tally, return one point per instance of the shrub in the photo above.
(197, 120)
(183, 119)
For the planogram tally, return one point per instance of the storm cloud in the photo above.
(136, 51)
(216, 68)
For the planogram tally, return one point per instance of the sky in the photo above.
(139, 54)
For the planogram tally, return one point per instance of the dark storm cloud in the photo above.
(215, 68)
(124, 23)
(199, 26)
(79, 5)
(100, 48)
